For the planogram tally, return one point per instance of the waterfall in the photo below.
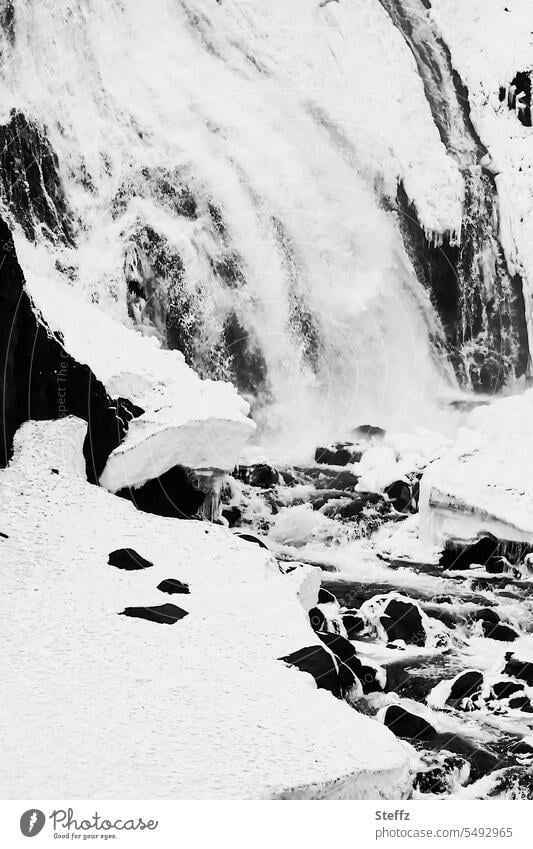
(216, 190)
(485, 321)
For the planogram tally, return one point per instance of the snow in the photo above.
(483, 482)
(101, 705)
(186, 421)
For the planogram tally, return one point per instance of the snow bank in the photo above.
(483, 483)
(201, 424)
(97, 704)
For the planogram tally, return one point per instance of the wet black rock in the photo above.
(164, 614)
(442, 777)
(482, 552)
(260, 475)
(503, 633)
(486, 614)
(466, 686)
(40, 380)
(517, 668)
(482, 760)
(172, 494)
(317, 619)
(129, 559)
(518, 96)
(320, 664)
(353, 624)
(339, 480)
(408, 725)
(346, 656)
(505, 688)
(233, 516)
(255, 540)
(30, 185)
(402, 621)
(400, 495)
(521, 703)
(339, 454)
(325, 597)
(172, 586)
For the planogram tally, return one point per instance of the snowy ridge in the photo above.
(198, 709)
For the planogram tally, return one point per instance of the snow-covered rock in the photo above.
(95, 703)
(484, 482)
(200, 424)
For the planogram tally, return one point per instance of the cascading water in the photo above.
(485, 320)
(276, 266)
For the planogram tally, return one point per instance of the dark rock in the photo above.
(325, 597)
(40, 380)
(346, 655)
(400, 495)
(504, 689)
(521, 703)
(481, 552)
(3, 535)
(354, 508)
(172, 494)
(465, 686)
(485, 342)
(129, 559)
(481, 760)
(317, 619)
(504, 633)
(440, 778)
(408, 725)
(518, 96)
(320, 664)
(353, 624)
(486, 614)
(233, 516)
(253, 539)
(260, 475)
(340, 480)
(30, 184)
(172, 585)
(338, 455)
(164, 614)
(247, 364)
(402, 621)
(516, 668)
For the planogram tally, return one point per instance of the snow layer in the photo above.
(484, 482)
(100, 705)
(201, 424)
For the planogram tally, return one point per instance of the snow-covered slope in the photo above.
(97, 704)
(484, 482)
